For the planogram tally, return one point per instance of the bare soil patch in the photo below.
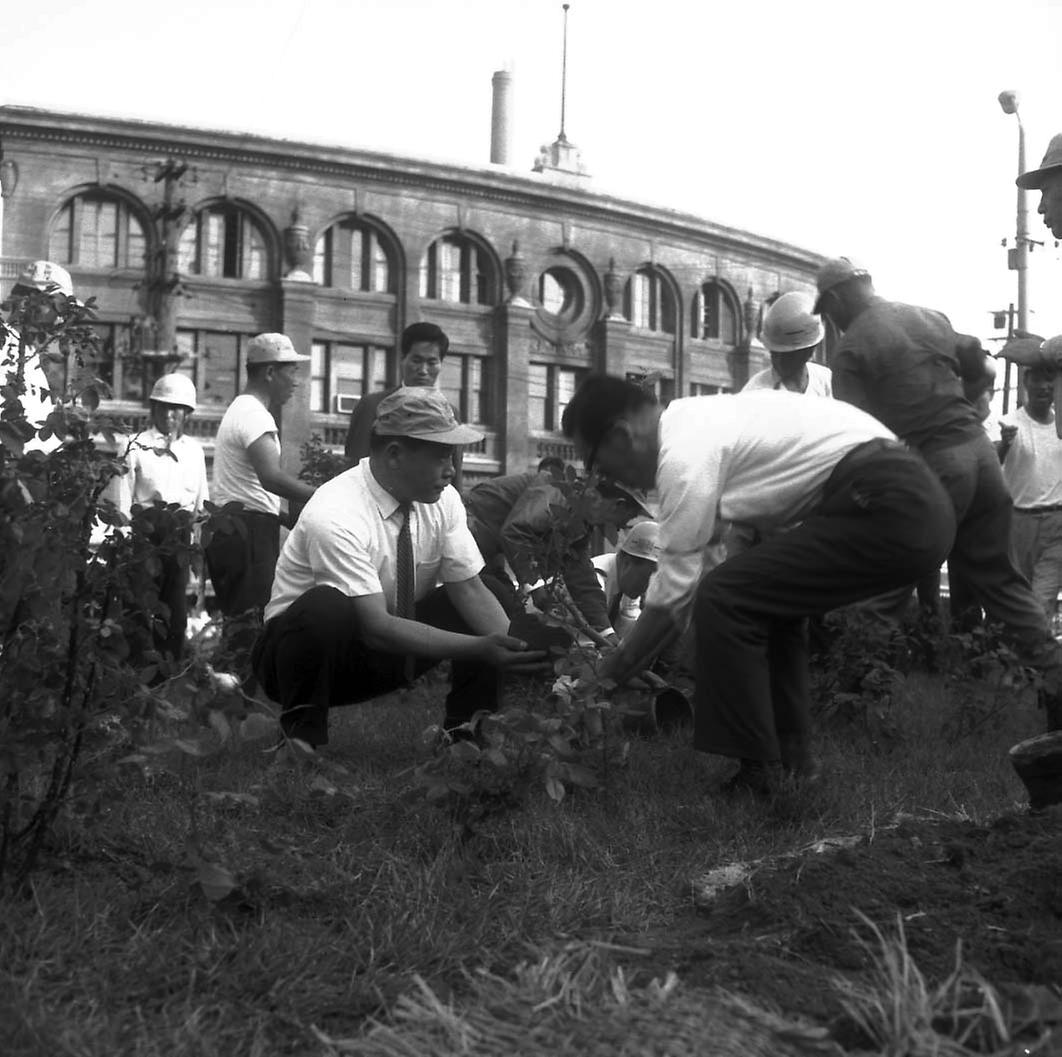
(792, 926)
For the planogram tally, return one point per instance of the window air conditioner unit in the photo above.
(344, 403)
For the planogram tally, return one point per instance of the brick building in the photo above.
(192, 241)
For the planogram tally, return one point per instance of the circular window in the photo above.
(560, 293)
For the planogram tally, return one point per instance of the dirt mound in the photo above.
(786, 929)
(996, 888)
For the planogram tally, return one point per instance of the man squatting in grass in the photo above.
(866, 515)
(908, 368)
(356, 611)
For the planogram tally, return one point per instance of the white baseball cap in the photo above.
(272, 348)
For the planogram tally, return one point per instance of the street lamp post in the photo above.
(1018, 258)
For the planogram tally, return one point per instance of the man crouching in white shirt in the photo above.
(356, 610)
(866, 515)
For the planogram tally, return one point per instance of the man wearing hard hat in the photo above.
(625, 575)
(908, 368)
(41, 371)
(165, 465)
(791, 333)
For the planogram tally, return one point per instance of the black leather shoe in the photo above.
(799, 762)
(757, 777)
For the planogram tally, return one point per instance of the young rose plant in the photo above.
(568, 731)
(79, 673)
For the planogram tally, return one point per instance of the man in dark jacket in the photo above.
(513, 519)
(908, 368)
(423, 347)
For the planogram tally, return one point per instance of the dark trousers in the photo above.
(312, 657)
(884, 520)
(241, 567)
(981, 558)
(173, 593)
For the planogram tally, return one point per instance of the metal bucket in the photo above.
(670, 711)
(1038, 762)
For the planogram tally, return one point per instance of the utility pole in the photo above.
(1005, 318)
(1018, 257)
(158, 329)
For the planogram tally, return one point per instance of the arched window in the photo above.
(456, 269)
(224, 242)
(715, 314)
(650, 301)
(98, 230)
(352, 256)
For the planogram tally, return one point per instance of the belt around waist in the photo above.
(868, 447)
(1053, 508)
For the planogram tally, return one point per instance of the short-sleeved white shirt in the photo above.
(1032, 468)
(760, 458)
(177, 477)
(347, 538)
(235, 480)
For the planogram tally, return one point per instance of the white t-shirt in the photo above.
(347, 537)
(820, 381)
(178, 477)
(1032, 468)
(760, 458)
(235, 480)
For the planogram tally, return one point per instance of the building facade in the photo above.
(193, 241)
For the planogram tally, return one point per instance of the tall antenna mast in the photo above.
(564, 73)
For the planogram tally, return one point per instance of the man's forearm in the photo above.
(287, 486)
(481, 611)
(654, 630)
(397, 635)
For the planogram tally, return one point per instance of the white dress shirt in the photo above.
(173, 471)
(760, 458)
(347, 537)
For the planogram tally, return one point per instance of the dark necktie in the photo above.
(405, 577)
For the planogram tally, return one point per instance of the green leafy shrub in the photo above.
(81, 680)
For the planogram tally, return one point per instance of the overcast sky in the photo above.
(868, 129)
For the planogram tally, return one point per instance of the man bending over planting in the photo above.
(863, 514)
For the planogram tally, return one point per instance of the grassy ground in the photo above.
(355, 895)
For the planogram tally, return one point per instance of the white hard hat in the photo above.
(790, 324)
(643, 541)
(174, 389)
(47, 277)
